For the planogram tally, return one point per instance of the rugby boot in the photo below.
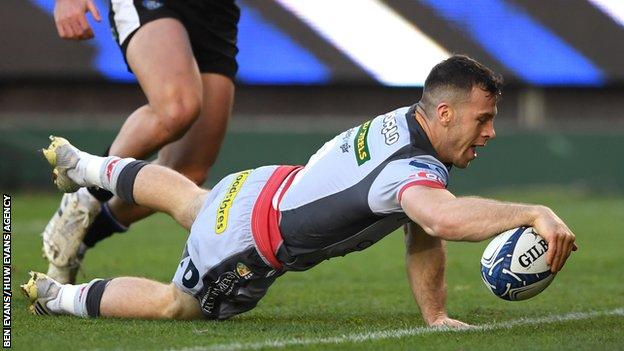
(39, 290)
(62, 156)
(64, 232)
(62, 237)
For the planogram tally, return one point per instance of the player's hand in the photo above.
(445, 321)
(559, 237)
(71, 20)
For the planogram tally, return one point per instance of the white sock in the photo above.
(68, 300)
(98, 171)
(72, 299)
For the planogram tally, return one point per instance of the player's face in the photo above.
(472, 126)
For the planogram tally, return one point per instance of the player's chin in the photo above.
(464, 161)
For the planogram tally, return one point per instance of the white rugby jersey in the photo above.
(355, 181)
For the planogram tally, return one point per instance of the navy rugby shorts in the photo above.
(221, 266)
(211, 26)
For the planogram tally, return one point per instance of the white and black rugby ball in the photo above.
(513, 265)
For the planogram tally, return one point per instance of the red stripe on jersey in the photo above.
(265, 218)
(429, 183)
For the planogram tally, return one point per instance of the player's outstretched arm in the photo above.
(442, 214)
(71, 20)
(425, 260)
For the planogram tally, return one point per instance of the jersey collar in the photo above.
(418, 136)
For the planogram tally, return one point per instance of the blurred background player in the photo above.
(183, 54)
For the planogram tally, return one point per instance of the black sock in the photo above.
(104, 225)
(94, 297)
(102, 195)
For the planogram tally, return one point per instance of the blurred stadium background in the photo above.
(311, 68)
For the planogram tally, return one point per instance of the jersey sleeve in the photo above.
(400, 175)
(425, 173)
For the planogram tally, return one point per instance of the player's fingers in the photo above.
(574, 247)
(456, 324)
(94, 11)
(560, 254)
(59, 29)
(552, 248)
(77, 29)
(568, 250)
(87, 32)
(551, 255)
(68, 30)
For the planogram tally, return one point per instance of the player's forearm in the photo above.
(476, 219)
(425, 262)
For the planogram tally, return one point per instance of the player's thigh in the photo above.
(197, 150)
(161, 57)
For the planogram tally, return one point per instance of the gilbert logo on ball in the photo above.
(513, 265)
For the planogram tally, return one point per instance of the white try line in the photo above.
(400, 333)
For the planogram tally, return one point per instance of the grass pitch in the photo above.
(361, 301)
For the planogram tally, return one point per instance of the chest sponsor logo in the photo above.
(224, 207)
(361, 144)
(389, 129)
(346, 139)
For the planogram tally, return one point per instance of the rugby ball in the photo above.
(513, 265)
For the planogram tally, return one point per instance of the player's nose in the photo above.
(489, 132)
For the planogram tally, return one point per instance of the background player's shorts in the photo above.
(210, 24)
(221, 266)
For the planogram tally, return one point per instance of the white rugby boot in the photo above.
(64, 232)
(62, 156)
(39, 290)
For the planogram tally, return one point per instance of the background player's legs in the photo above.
(194, 154)
(161, 57)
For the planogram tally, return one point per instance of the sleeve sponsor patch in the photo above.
(424, 174)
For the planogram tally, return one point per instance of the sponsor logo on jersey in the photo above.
(428, 175)
(346, 139)
(427, 166)
(361, 144)
(243, 271)
(389, 129)
(152, 4)
(224, 207)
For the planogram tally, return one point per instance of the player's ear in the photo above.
(444, 113)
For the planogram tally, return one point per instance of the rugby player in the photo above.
(255, 225)
(183, 54)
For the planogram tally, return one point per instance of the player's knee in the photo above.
(177, 305)
(178, 113)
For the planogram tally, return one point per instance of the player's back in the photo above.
(355, 180)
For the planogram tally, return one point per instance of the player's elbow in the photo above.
(445, 227)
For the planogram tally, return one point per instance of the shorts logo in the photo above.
(224, 207)
(242, 270)
(361, 144)
(152, 4)
(389, 129)
(224, 286)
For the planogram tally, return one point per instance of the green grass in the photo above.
(363, 293)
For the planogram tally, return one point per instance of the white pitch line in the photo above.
(400, 333)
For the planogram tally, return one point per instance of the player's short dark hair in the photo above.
(460, 73)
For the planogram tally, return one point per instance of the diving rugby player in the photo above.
(258, 224)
